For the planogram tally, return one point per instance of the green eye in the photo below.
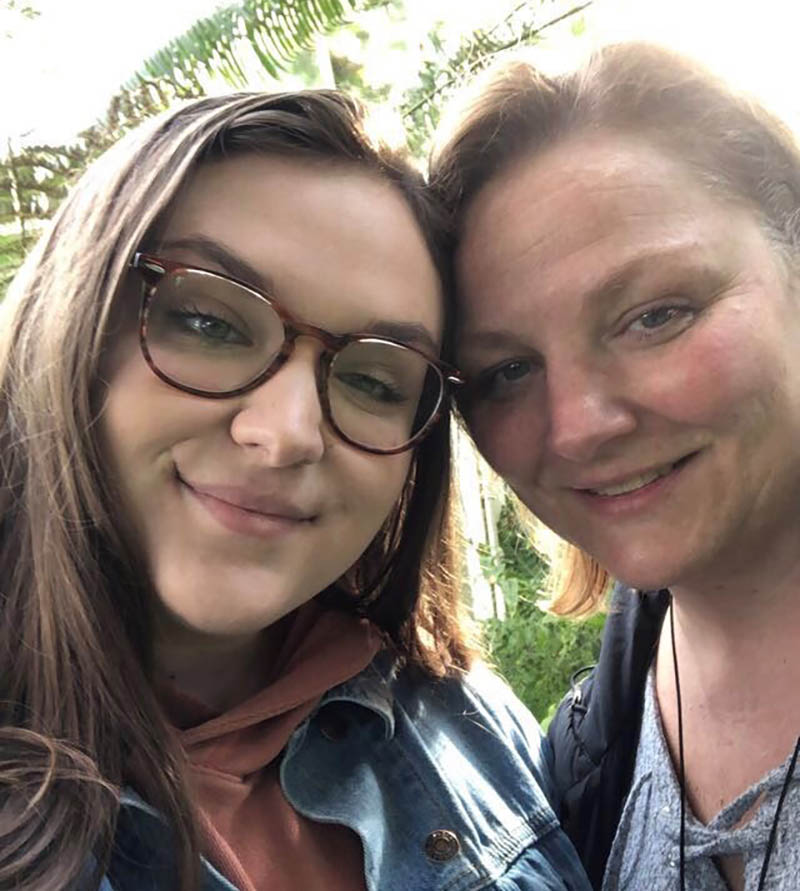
(208, 327)
(371, 387)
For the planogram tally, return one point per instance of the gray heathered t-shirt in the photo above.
(645, 851)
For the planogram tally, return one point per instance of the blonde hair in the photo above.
(731, 145)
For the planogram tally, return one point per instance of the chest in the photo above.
(725, 852)
(719, 770)
(732, 737)
(724, 755)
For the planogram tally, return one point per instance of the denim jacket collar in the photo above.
(443, 782)
(370, 689)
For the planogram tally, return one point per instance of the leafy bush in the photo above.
(535, 652)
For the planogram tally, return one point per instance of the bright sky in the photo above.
(59, 70)
(752, 44)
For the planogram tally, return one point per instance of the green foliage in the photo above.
(12, 253)
(275, 30)
(25, 10)
(11, 12)
(441, 75)
(34, 179)
(536, 653)
(349, 76)
(278, 34)
(578, 26)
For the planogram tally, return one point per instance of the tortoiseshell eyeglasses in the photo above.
(212, 335)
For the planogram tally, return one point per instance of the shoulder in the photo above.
(478, 715)
(476, 697)
(487, 752)
(500, 708)
(606, 705)
(143, 854)
(595, 731)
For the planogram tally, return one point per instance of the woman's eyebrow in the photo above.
(680, 259)
(222, 256)
(651, 265)
(411, 333)
(491, 340)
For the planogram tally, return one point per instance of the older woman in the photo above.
(627, 258)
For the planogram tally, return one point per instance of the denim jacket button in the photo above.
(333, 726)
(442, 845)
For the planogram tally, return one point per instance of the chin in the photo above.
(228, 616)
(654, 579)
(645, 573)
(641, 582)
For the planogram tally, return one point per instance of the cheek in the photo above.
(510, 436)
(372, 483)
(124, 415)
(719, 380)
(144, 424)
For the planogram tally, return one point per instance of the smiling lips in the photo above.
(244, 499)
(633, 483)
(240, 510)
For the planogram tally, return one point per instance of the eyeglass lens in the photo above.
(211, 334)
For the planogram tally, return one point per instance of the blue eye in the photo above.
(661, 319)
(502, 382)
(514, 371)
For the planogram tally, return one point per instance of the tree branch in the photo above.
(473, 66)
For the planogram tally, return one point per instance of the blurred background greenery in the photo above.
(536, 652)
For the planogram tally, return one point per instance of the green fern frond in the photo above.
(276, 30)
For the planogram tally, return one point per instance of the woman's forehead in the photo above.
(335, 243)
(584, 218)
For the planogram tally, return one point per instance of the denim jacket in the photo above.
(446, 783)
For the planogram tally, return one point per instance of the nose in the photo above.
(587, 410)
(283, 417)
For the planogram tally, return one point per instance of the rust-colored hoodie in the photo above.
(251, 833)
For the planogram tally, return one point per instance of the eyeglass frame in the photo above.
(153, 268)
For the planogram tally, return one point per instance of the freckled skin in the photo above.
(561, 256)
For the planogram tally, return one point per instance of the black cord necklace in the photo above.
(682, 778)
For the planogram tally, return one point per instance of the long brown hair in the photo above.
(730, 144)
(78, 716)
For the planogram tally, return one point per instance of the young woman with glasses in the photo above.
(230, 646)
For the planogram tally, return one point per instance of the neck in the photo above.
(739, 669)
(218, 671)
(739, 664)
(740, 628)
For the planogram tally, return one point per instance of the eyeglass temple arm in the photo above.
(151, 268)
